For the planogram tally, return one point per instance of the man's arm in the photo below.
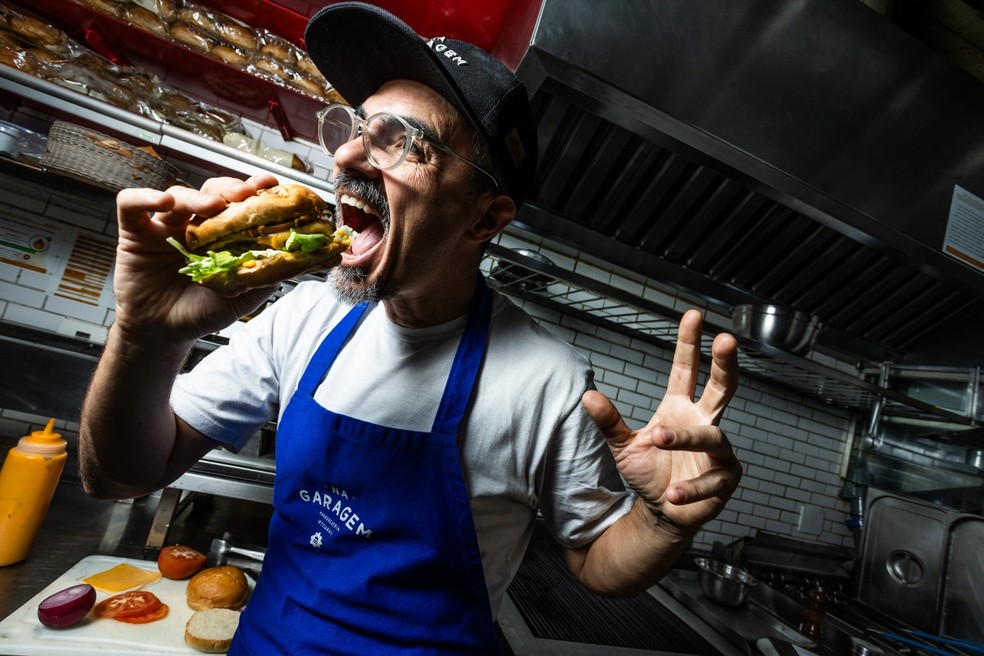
(130, 441)
(680, 465)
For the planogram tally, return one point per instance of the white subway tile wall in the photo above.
(793, 448)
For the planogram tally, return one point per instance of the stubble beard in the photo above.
(351, 284)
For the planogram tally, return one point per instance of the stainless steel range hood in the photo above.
(800, 152)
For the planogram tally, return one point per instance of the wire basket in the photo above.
(103, 161)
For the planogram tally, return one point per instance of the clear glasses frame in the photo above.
(357, 126)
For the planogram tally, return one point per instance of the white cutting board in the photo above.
(21, 634)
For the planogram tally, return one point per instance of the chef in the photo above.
(423, 420)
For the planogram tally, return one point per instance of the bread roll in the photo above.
(236, 34)
(281, 49)
(199, 17)
(211, 630)
(37, 31)
(307, 84)
(145, 20)
(306, 66)
(230, 55)
(274, 68)
(218, 587)
(192, 37)
(167, 9)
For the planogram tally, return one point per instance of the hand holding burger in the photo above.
(279, 233)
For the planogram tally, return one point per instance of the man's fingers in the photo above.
(135, 205)
(723, 381)
(606, 417)
(717, 482)
(214, 196)
(686, 357)
(705, 439)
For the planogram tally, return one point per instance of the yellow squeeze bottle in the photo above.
(27, 483)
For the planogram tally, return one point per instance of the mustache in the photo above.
(370, 191)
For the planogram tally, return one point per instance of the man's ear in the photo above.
(499, 211)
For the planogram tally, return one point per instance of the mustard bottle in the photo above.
(27, 483)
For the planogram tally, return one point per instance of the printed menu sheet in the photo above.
(964, 239)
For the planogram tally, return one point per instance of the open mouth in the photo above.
(365, 219)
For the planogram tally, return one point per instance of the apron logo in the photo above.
(335, 515)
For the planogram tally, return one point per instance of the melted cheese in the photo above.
(275, 241)
(120, 578)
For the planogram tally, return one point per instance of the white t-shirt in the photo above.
(525, 442)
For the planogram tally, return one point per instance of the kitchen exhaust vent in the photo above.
(801, 153)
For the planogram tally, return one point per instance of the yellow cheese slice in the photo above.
(121, 577)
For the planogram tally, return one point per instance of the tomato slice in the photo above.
(152, 616)
(179, 562)
(128, 604)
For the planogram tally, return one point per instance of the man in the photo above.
(423, 420)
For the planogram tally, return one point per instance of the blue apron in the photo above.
(372, 546)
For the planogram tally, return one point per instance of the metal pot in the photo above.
(774, 325)
(723, 583)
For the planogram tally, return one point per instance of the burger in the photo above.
(279, 233)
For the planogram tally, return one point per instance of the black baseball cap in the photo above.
(358, 47)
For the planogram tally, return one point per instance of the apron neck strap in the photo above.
(467, 361)
(329, 349)
(464, 369)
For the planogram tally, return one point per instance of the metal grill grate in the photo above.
(556, 607)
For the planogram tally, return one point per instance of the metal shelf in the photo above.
(594, 302)
(79, 107)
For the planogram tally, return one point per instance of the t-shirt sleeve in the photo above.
(584, 493)
(234, 390)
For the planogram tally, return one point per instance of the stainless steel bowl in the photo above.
(781, 327)
(723, 583)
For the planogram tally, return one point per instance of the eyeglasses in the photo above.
(387, 138)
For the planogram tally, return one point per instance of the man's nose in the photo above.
(351, 156)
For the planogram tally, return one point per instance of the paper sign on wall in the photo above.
(964, 239)
(25, 245)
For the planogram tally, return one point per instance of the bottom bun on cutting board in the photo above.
(211, 630)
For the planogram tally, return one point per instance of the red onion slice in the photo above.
(68, 606)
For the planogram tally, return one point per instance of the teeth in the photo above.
(357, 203)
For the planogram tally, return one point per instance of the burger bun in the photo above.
(211, 630)
(267, 206)
(218, 587)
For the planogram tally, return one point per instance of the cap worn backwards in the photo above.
(359, 47)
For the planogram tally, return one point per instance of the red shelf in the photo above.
(476, 22)
(189, 71)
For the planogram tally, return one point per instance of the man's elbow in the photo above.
(98, 485)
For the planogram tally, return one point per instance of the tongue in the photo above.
(368, 237)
